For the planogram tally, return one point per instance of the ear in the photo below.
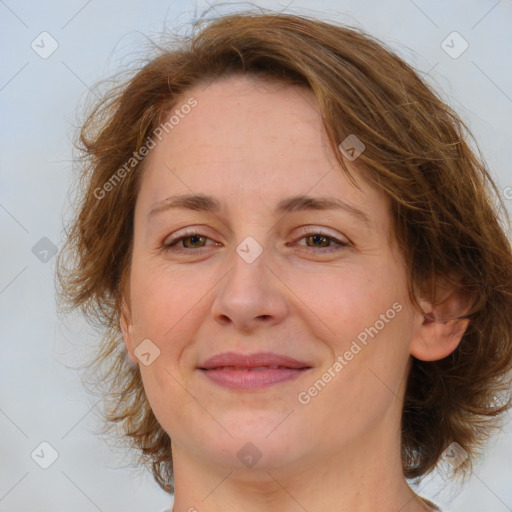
(126, 325)
(439, 332)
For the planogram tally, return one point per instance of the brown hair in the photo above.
(444, 207)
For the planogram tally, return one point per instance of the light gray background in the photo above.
(41, 399)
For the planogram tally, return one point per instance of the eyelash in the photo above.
(170, 246)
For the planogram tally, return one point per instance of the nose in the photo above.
(250, 296)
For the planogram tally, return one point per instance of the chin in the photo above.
(258, 446)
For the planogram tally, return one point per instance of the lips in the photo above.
(251, 372)
(250, 361)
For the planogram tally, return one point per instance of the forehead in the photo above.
(251, 141)
(237, 115)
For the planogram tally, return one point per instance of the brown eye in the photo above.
(194, 241)
(186, 243)
(318, 239)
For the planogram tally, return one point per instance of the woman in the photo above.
(302, 272)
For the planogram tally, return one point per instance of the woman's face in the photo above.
(265, 273)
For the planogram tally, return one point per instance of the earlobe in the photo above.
(440, 330)
(437, 339)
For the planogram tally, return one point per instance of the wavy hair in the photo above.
(447, 216)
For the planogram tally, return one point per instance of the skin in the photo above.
(250, 144)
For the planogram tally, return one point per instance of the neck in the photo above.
(362, 478)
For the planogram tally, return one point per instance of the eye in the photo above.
(189, 242)
(321, 240)
(193, 240)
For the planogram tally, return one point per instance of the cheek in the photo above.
(164, 300)
(369, 376)
(368, 325)
(350, 299)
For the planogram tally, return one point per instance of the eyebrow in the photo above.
(204, 203)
